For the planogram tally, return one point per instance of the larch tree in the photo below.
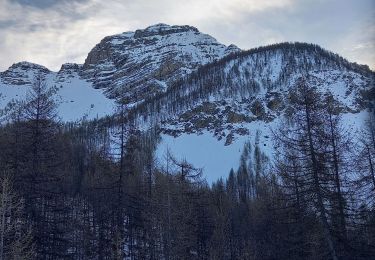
(42, 174)
(16, 240)
(305, 135)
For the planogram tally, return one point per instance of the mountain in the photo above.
(131, 66)
(199, 92)
(135, 65)
(254, 86)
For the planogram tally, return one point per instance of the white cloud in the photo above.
(67, 30)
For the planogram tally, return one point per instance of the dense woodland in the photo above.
(94, 190)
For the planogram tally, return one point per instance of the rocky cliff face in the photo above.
(68, 71)
(136, 65)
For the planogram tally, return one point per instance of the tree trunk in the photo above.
(371, 165)
(2, 226)
(320, 204)
(337, 181)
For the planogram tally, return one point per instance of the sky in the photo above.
(53, 32)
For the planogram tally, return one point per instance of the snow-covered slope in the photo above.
(230, 100)
(216, 158)
(76, 98)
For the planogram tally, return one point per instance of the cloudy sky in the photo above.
(52, 32)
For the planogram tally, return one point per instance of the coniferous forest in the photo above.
(94, 190)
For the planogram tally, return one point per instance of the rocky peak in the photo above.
(137, 65)
(68, 70)
(163, 29)
(23, 73)
(231, 49)
(72, 67)
(25, 66)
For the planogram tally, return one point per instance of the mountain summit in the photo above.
(136, 65)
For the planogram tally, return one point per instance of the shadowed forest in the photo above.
(94, 190)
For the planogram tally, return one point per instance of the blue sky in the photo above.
(52, 32)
